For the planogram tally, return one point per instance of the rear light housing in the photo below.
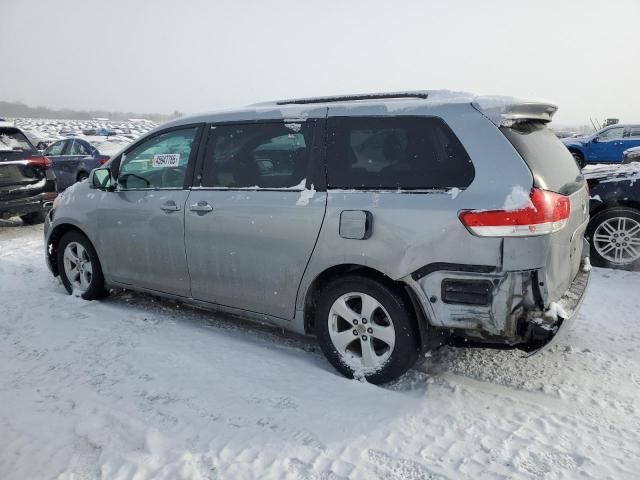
(547, 212)
(39, 161)
(102, 159)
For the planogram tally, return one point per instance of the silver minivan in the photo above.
(383, 224)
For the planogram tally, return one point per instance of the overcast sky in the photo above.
(198, 55)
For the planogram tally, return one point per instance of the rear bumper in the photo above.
(22, 206)
(498, 309)
(569, 304)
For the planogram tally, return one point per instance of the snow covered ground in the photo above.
(136, 387)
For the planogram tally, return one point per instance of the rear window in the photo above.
(395, 153)
(13, 140)
(551, 164)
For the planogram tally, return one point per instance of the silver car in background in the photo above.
(382, 224)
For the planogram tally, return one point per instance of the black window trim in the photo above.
(404, 191)
(188, 176)
(316, 170)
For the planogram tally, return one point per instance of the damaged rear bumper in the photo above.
(569, 306)
(498, 309)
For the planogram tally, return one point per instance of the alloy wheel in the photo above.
(361, 331)
(617, 240)
(77, 266)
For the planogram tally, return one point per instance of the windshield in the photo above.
(552, 165)
(13, 140)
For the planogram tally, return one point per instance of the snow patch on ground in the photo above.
(136, 387)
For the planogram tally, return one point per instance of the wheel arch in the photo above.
(635, 205)
(574, 149)
(53, 240)
(328, 275)
(80, 173)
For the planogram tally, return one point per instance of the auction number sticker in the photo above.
(166, 160)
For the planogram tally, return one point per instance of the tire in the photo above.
(579, 158)
(33, 218)
(82, 176)
(344, 349)
(605, 245)
(88, 286)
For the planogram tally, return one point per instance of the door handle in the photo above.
(170, 206)
(201, 207)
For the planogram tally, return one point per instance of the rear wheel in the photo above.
(367, 329)
(615, 238)
(79, 267)
(33, 218)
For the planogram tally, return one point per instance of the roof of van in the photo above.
(501, 110)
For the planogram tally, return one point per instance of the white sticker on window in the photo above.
(166, 160)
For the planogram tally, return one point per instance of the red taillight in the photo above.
(102, 159)
(547, 212)
(39, 161)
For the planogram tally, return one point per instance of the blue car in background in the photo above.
(604, 146)
(73, 159)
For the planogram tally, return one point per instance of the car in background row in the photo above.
(631, 155)
(604, 146)
(27, 181)
(73, 159)
(614, 227)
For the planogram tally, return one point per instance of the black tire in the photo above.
(82, 176)
(33, 218)
(577, 156)
(598, 219)
(96, 288)
(399, 308)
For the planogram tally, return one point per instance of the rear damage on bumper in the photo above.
(497, 309)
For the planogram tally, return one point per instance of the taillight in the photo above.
(547, 212)
(102, 159)
(39, 161)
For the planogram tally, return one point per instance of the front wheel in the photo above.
(367, 329)
(79, 267)
(615, 238)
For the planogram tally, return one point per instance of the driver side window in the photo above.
(611, 134)
(159, 162)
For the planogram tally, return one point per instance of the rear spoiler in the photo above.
(507, 111)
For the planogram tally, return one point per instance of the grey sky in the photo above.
(190, 55)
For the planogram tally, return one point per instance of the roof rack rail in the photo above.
(349, 98)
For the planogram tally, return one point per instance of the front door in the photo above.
(141, 223)
(608, 146)
(253, 223)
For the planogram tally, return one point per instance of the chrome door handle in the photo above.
(170, 206)
(201, 207)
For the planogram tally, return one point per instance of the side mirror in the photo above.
(595, 140)
(101, 179)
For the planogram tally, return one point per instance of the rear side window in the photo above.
(634, 131)
(258, 155)
(390, 153)
(551, 164)
(78, 148)
(13, 140)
